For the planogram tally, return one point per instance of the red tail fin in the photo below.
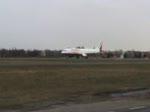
(101, 47)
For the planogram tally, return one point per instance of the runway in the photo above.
(75, 63)
(63, 61)
(107, 106)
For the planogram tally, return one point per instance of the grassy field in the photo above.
(25, 81)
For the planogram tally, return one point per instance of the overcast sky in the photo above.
(56, 24)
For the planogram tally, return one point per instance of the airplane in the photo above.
(81, 52)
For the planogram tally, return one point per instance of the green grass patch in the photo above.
(22, 84)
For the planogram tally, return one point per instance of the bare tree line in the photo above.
(21, 53)
(15, 53)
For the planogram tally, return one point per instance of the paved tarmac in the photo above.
(107, 106)
(135, 109)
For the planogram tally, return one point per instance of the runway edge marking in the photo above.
(136, 108)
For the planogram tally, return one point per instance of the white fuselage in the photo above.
(80, 52)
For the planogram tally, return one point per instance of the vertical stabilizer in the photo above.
(101, 47)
